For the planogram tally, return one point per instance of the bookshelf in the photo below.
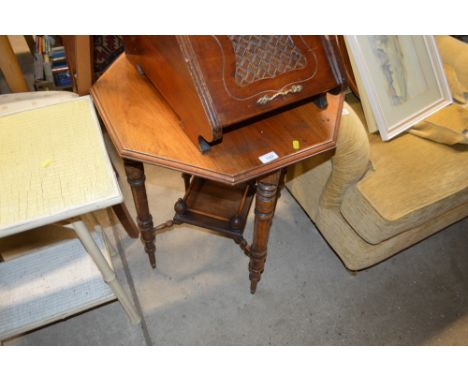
(51, 70)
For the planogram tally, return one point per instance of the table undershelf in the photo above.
(50, 284)
(216, 206)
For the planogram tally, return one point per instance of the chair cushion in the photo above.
(413, 181)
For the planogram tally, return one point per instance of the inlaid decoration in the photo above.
(262, 57)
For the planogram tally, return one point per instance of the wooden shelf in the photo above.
(216, 206)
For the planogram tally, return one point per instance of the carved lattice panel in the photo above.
(261, 57)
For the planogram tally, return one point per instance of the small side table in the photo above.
(144, 128)
(53, 167)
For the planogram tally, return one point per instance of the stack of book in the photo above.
(60, 70)
(51, 70)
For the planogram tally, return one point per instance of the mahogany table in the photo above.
(144, 129)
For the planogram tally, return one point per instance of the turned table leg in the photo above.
(136, 178)
(265, 202)
(186, 178)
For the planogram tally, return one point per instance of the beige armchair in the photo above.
(373, 199)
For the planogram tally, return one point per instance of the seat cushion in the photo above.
(413, 180)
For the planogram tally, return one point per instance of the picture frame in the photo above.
(401, 80)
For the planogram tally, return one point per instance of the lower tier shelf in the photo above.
(50, 284)
(216, 206)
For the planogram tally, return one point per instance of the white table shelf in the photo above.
(49, 284)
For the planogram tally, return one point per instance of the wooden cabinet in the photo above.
(217, 83)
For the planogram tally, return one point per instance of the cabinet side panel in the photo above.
(163, 63)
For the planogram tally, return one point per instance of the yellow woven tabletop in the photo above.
(53, 165)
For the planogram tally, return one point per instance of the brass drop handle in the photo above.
(292, 90)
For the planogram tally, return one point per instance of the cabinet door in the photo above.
(245, 76)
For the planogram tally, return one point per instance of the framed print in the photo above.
(401, 78)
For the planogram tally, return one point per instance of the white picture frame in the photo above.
(401, 79)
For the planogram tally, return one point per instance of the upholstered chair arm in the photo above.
(454, 55)
(350, 162)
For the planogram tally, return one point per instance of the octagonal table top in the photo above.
(144, 128)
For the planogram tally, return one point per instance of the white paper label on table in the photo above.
(268, 157)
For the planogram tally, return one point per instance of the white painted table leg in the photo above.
(98, 228)
(107, 272)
